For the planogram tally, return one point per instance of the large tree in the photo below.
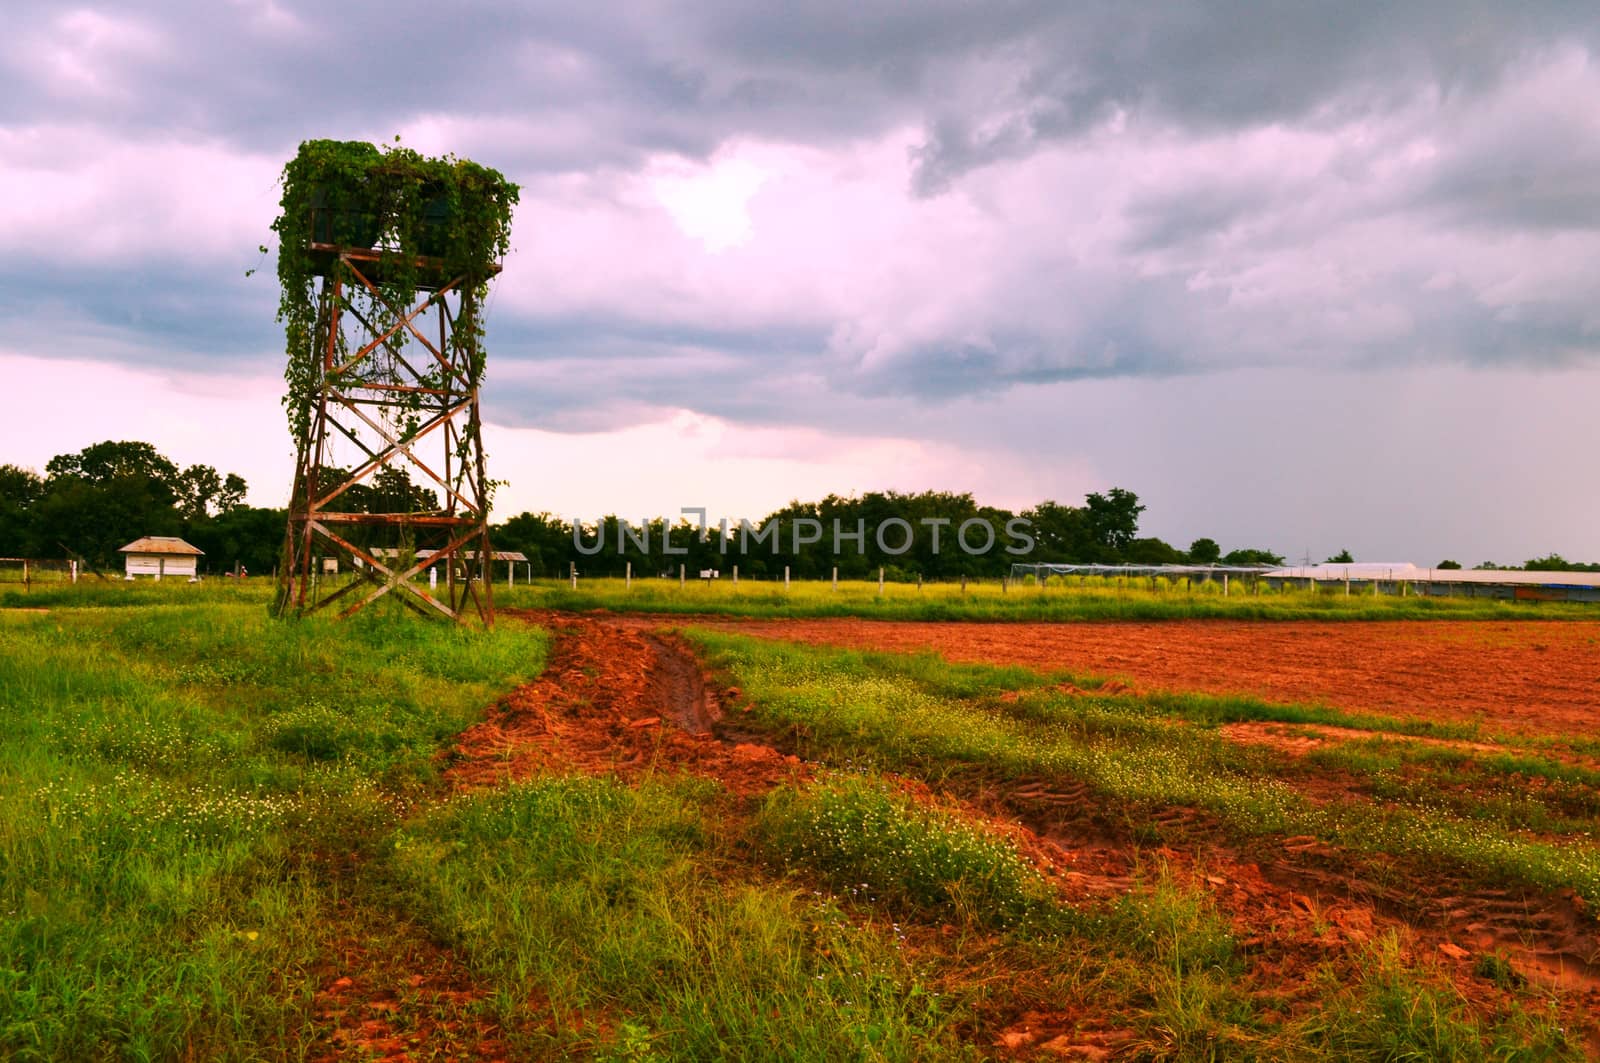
(1114, 518)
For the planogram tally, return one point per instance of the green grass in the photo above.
(166, 774)
(1395, 1013)
(92, 592)
(860, 836)
(1091, 598)
(616, 916)
(1518, 791)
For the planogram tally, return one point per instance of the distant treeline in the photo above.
(89, 504)
(934, 534)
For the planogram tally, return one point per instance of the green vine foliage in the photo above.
(430, 219)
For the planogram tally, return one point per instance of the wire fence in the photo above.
(24, 573)
(1401, 580)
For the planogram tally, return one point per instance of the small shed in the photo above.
(161, 555)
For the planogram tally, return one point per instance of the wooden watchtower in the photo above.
(386, 366)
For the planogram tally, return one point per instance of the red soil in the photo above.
(1530, 677)
(622, 695)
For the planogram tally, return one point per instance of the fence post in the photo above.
(835, 577)
(880, 581)
(963, 583)
(786, 579)
(627, 579)
(919, 583)
(1224, 584)
(572, 573)
(735, 577)
(682, 572)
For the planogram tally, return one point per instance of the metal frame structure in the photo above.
(1398, 579)
(358, 410)
(1045, 569)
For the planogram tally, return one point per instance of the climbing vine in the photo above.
(426, 218)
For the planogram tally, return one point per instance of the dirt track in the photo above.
(1526, 676)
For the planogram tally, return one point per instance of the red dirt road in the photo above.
(1527, 677)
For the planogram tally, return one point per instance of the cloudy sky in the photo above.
(1302, 276)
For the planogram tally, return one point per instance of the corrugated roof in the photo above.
(1407, 572)
(161, 544)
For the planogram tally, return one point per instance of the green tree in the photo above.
(101, 463)
(544, 538)
(1341, 558)
(1554, 562)
(231, 497)
(242, 535)
(1151, 552)
(1062, 533)
(1447, 564)
(1205, 552)
(197, 488)
(1252, 557)
(1113, 518)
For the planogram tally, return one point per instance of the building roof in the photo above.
(1407, 572)
(161, 544)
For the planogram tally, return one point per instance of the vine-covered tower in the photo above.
(385, 259)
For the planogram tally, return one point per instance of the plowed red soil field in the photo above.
(1518, 677)
(626, 696)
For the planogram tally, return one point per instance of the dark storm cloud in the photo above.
(1175, 284)
(1540, 174)
(592, 374)
(168, 315)
(1226, 64)
(986, 80)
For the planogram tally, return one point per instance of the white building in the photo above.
(161, 555)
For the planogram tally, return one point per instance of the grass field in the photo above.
(168, 777)
(1060, 599)
(227, 837)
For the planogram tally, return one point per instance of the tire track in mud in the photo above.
(624, 695)
(1313, 889)
(614, 698)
